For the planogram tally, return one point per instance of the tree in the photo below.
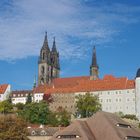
(12, 128)
(87, 105)
(63, 117)
(19, 106)
(29, 98)
(6, 107)
(130, 116)
(36, 112)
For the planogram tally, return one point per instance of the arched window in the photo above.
(43, 55)
(42, 69)
(43, 133)
(33, 133)
(42, 80)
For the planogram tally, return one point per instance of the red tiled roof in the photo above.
(3, 88)
(84, 84)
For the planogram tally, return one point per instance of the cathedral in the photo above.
(116, 94)
(49, 66)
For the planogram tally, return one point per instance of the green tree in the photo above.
(130, 116)
(87, 105)
(36, 113)
(19, 106)
(6, 107)
(29, 99)
(63, 117)
(12, 128)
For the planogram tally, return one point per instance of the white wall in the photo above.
(138, 97)
(6, 94)
(116, 100)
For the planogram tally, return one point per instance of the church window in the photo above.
(42, 69)
(43, 56)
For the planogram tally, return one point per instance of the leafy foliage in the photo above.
(6, 107)
(29, 98)
(87, 105)
(12, 128)
(35, 113)
(130, 116)
(63, 117)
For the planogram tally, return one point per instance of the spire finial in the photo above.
(54, 45)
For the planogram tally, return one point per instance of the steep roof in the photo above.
(84, 84)
(102, 126)
(3, 88)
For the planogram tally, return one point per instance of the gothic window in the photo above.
(43, 56)
(42, 80)
(42, 69)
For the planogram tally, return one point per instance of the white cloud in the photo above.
(23, 23)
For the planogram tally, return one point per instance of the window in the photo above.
(43, 133)
(33, 133)
(132, 138)
(43, 56)
(67, 136)
(42, 69)
(123, 125)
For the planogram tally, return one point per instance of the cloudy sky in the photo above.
(113, 26)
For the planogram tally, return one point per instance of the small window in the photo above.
(123, 125)
(43, 133)
(132, 138)
(33, 133)
(67, 136)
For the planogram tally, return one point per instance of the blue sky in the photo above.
(112, 25)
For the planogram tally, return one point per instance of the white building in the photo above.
(115, 94)
(20, 96)
(5, 90)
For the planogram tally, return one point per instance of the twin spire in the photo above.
(46, 46)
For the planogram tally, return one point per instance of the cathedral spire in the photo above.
(94, 59)
(94, 66)
(54, 46)
(45, 44)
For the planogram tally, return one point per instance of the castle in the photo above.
(115, 94)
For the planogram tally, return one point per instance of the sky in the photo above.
(113, 26)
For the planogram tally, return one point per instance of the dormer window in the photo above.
(43, 133)
(123, 125)
(33, 133)
(67, 136)
(132, 138)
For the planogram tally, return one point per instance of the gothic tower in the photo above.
(94, 66)
(55, 67)
(48, 64)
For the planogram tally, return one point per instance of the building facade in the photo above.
(20, 96)
(5, 90)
